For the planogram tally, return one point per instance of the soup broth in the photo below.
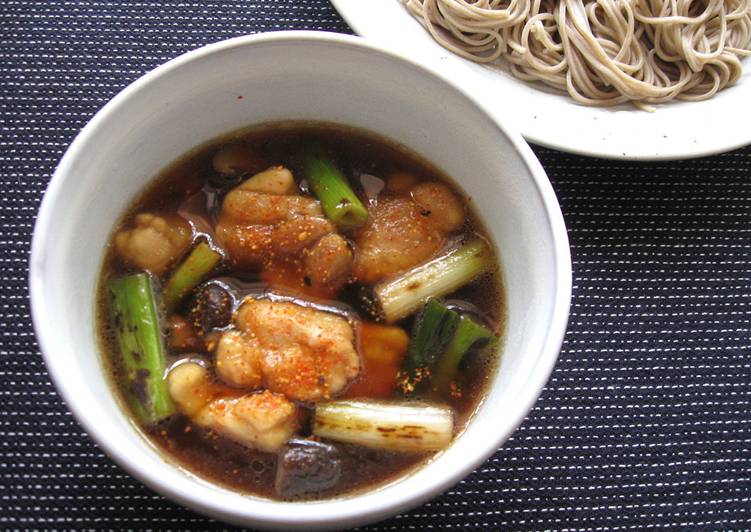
(282, 287)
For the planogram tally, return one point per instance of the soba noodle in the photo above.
(602, 52)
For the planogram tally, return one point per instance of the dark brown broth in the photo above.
(181, 186)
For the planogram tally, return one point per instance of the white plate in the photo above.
(674, 131)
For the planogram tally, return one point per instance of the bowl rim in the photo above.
(345, 516)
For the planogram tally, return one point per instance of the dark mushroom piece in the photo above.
(212, 307)
(306, 466)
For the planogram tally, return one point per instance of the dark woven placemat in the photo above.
(646, 422)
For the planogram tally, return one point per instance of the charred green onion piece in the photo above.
(433, 329)
(136, 324)
(400, 297)
(468, 334)
(393, 426)
(440, 339)
(330, 185)
(190, 273)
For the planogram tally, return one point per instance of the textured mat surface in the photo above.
(645, 423)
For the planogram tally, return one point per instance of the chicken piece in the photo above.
(246, 245)
(191, 388)
(395, 238)
(329, 261)
(264, 216)
(291, 237)
(263, 421)
(248, 207)
(304, 353)
(239, 360)
(154, 242)
(320, 271)
(265, 223)
(274, 180)
(405, 227)
(440, 204)
(287, 275)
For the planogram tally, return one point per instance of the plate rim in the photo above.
(343, 7)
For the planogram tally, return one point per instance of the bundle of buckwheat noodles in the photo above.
(602, 52)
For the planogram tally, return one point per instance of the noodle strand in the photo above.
(602, 52)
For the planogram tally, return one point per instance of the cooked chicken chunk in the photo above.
(405, 228)
(304, 353)
(263, 421)
(274, 180)
(265, 216)
(265, 222)
(443, 207)
(329, 261)
(191, 388)
(247, 245)
(395, 238)
(154, 242)
(291, 237)
(246, 205)
(239, 360)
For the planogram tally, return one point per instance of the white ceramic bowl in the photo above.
(295, 75)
